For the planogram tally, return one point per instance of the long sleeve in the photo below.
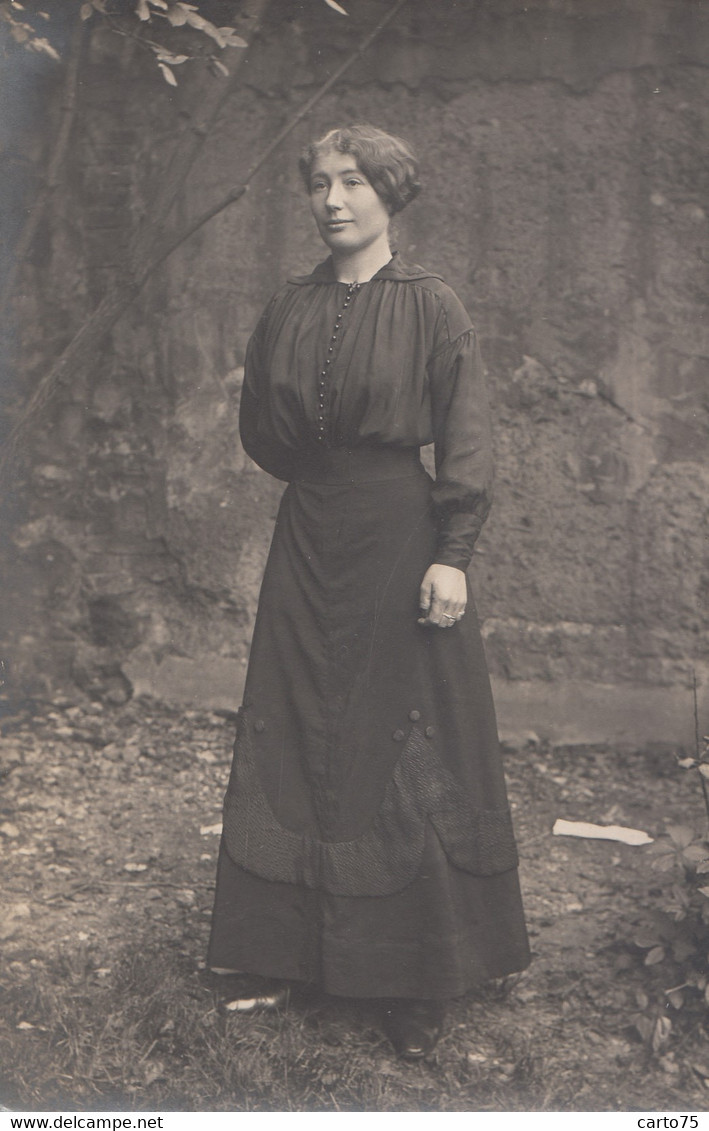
(462, 493)
(255, 437)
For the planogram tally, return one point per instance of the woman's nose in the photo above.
(333, 200)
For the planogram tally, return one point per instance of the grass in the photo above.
(146, 1036)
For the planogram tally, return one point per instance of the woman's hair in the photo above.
(386, 161)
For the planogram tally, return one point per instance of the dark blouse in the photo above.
(392, 362)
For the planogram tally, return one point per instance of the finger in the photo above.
(438, 608)
(425, 597)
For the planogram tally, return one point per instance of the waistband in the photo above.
(358, 465)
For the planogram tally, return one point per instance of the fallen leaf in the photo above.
(153, 1072)
(661, 1033)
(681, 835)
(654, 956)
(211, 830)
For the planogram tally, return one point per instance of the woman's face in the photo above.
(348, 212)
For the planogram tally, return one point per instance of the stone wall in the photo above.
(566, 180)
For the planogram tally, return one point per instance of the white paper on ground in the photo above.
(600, 832)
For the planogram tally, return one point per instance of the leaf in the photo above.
(220, 68)
(159, 4)
(167, 57)
(230, 37)
(687, 763)
(681, 835)
(176, 17)
(642, 999)
(336, 7)
(646, 939)
(654, 956)
(167, 74)
(661, 1033)
(664, 863)
(195, 20)
(142, 10)
(703, 867)
(704, 892)
(644, 1027)
(675, 998)
(696, 853)
(19, 33)
(662, 847)
(704, 769)
(39, 43)
(153, 1072)
(87, 10)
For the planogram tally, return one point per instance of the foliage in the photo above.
(25, 22)
(13, 15)
(676, 942)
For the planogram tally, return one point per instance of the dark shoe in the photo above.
(246, 993)
(414, 1026)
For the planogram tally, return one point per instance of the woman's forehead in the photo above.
(330, 162)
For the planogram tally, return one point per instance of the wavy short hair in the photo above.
(387, 162)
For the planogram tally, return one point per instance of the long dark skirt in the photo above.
(367, 844)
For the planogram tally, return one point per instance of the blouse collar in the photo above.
(396, 269)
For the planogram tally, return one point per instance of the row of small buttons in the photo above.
(352, 288)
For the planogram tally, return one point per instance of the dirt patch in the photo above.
(108, 823)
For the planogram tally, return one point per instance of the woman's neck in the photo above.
(360, 266)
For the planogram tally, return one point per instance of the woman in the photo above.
(367, 843)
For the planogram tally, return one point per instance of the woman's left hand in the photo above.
(443, 596)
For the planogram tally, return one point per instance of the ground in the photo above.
(109, 826)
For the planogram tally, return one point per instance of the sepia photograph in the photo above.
(354, 556)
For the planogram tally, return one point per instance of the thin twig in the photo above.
(697, 751)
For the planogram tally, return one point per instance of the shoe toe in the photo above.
(414, 1027)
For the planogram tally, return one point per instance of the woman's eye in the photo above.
(352, 181)
(317, 186)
